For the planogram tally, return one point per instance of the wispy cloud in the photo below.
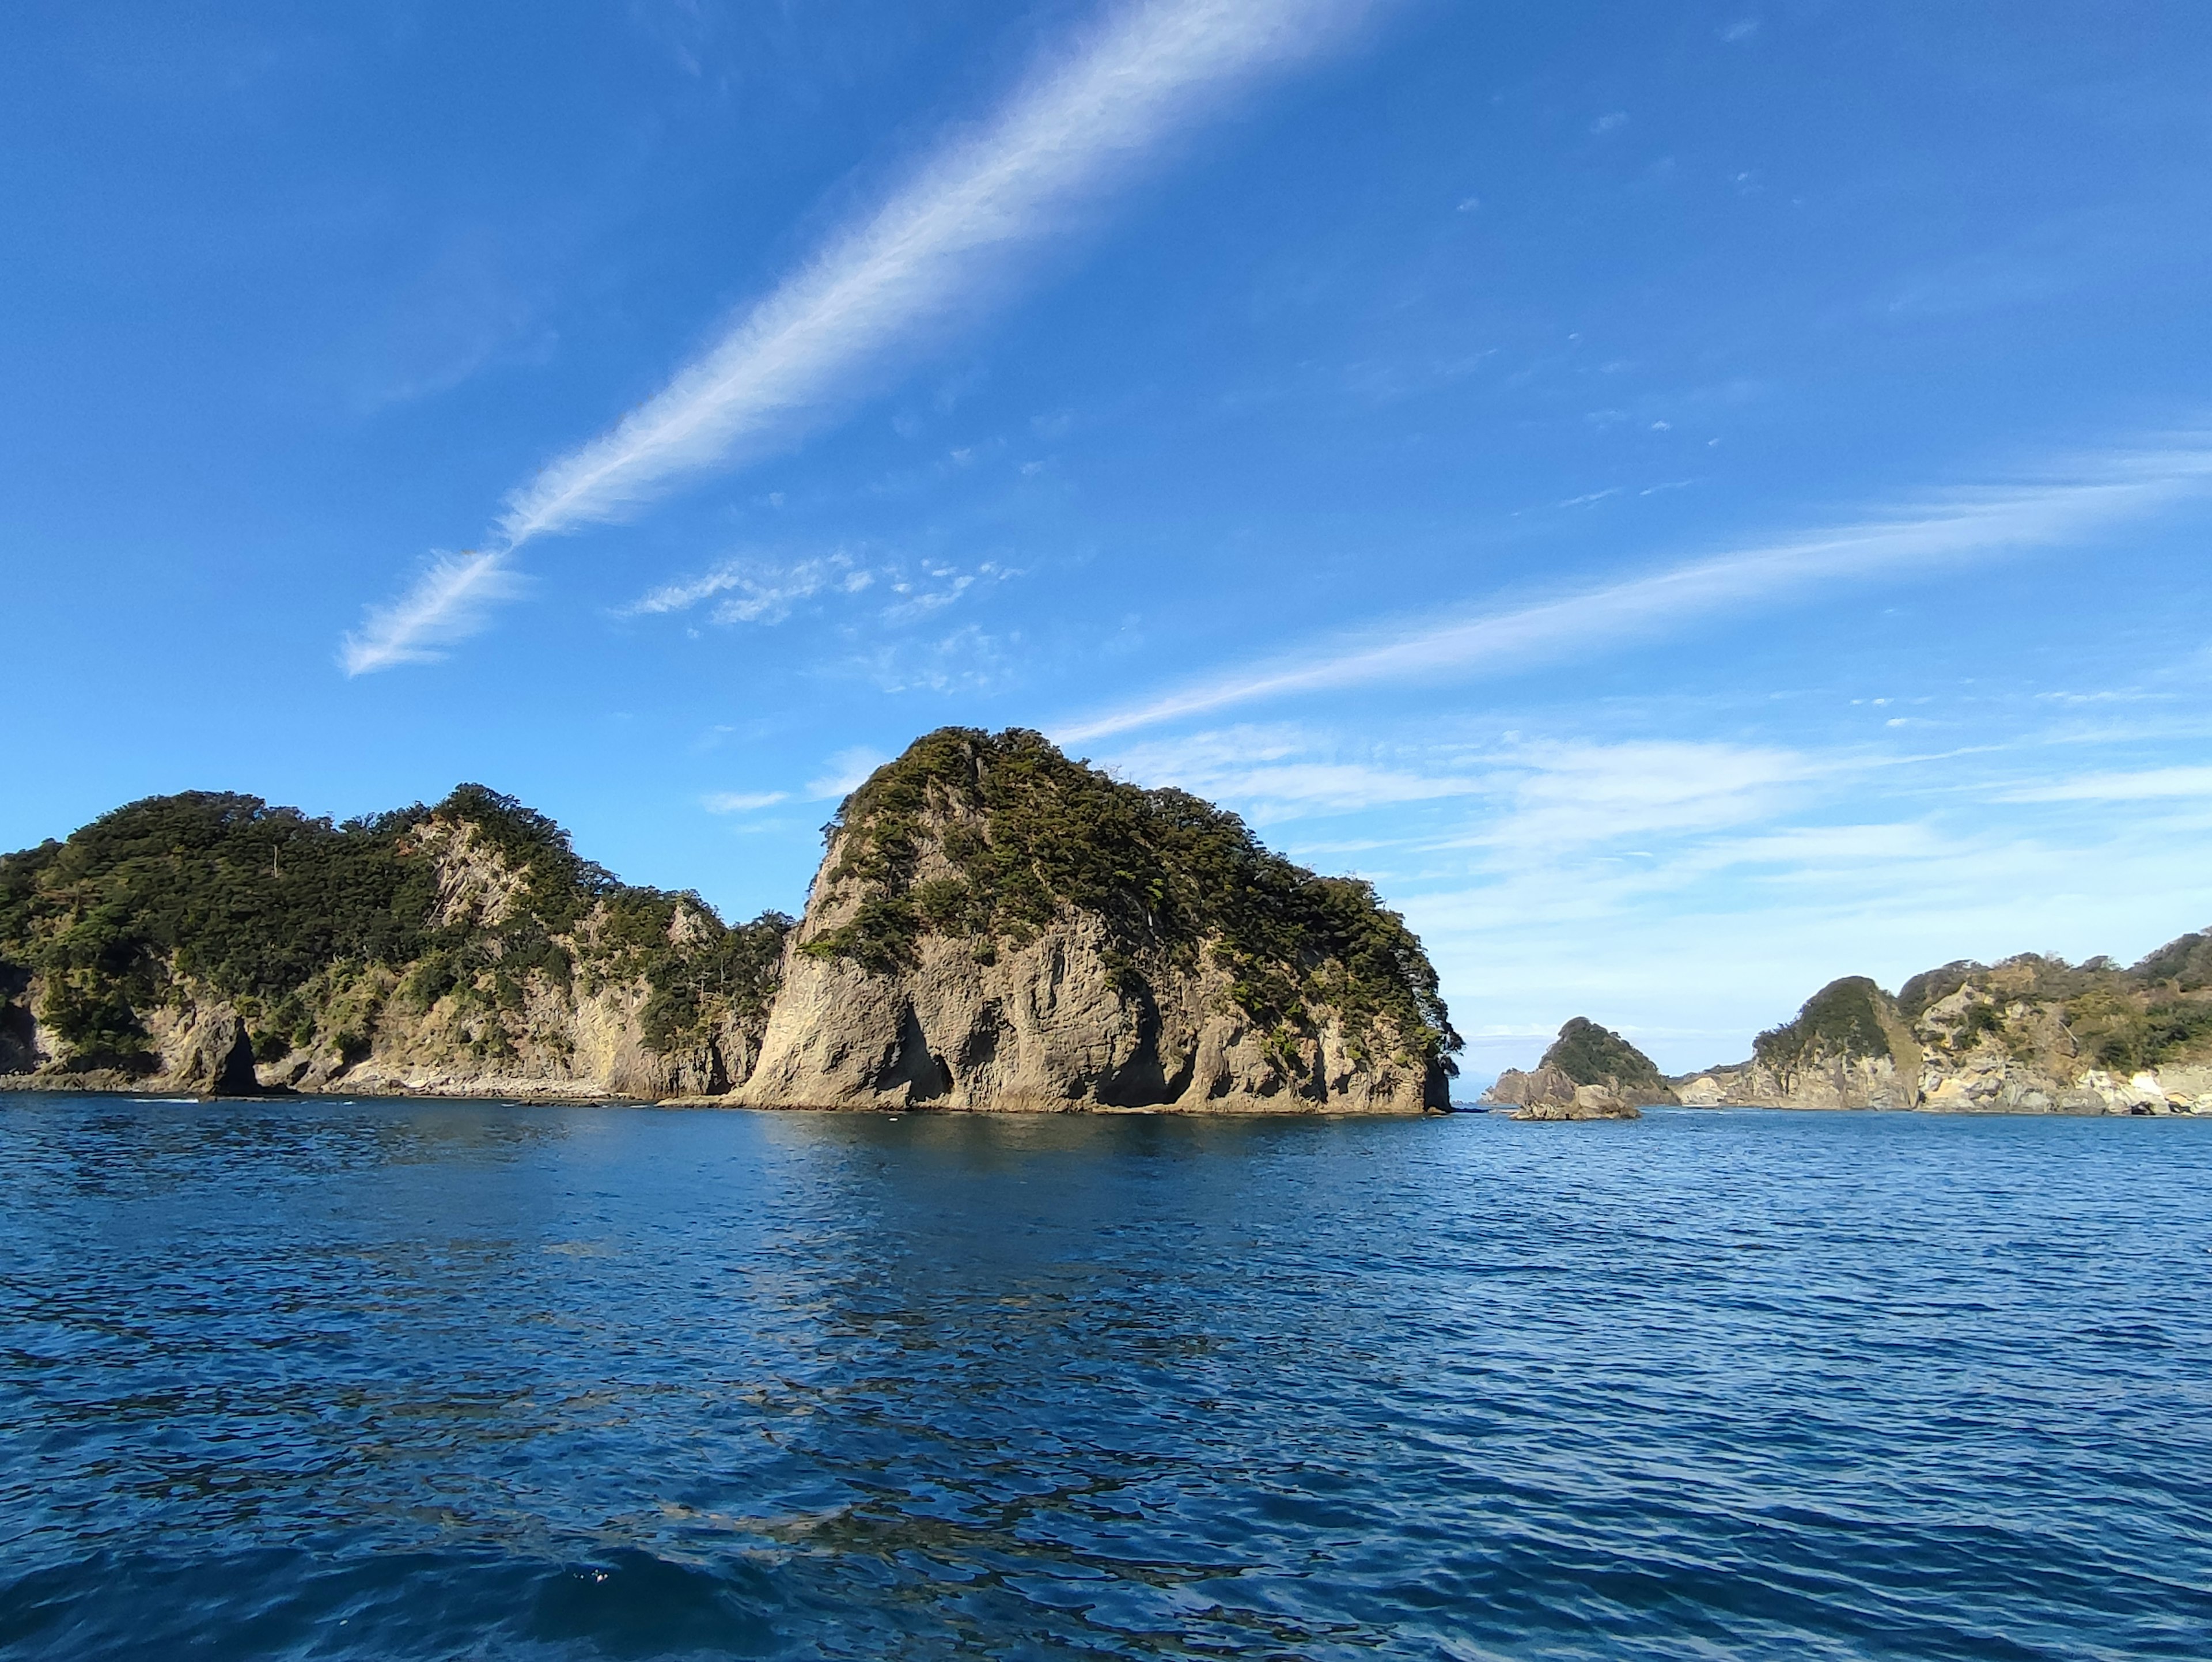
(844, 772)
(2150, 784)
(447, 603)
(742, 801)
(767, 590)
(1961, 525)
(759, 590)
(1273, 774)
(934, 256)
(967, 659)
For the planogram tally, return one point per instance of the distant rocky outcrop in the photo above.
(2032, 1034)
(998, 927)
(1588, 1073)
(210, 943)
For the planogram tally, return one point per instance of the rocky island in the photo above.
(1588, 1073)
(994, 926)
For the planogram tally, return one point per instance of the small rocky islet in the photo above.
(1588, 1073)
(993, 926)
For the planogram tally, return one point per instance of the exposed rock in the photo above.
(2030, 1035)
(996, 927)
(20, 1049)
(207, 1049)
(462, 950)
(1588, 1073)
(1548, 1091)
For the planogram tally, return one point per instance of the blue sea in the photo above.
(405, 1379)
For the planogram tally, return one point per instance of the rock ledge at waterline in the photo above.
(995, 927)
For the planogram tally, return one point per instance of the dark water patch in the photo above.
(386, 1380)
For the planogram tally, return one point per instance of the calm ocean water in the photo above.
(400, 1380)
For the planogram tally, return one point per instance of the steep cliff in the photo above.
(2030, 1035)
(208, 943)
(997, 927)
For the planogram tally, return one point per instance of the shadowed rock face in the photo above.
(996, 927)
(1588, 1073)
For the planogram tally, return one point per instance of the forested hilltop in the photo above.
(997, 925)
(2032, 1034)
(212, 942)
(994, 926)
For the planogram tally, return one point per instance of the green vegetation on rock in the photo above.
(1590, 1054)
(2121, 1019)
(308, 927)
(2123, 1029)
(1844, 1021)
(1025, 832)
(2186, 962)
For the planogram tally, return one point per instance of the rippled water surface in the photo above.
(398, 1380)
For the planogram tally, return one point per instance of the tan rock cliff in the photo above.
(2030, 1035)
(995, 926)
(210, 945)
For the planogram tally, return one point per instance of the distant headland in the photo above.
(993, 926)
(2030, 1035)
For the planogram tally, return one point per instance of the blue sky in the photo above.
(1691, 500)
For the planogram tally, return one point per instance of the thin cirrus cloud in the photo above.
(742, 801)
(756, 591)
(2151, 784)
(846, 771)
(447, 603)
(934, 256)
(1963, 526)
(761, 590)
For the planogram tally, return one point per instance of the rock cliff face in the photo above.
(211, 944)
(2030, 1035)
(1588, 1073)
(996, 927)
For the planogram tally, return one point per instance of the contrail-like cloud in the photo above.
(1961, 526)
(934, 256)
(448, 604)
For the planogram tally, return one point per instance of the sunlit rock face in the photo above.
(1588, 1073)
(997, 927)
(2030, 1035)
(210, 943)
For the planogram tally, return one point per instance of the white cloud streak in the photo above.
(760, 590)
(447, 603)
(934, 256)
(1961, 526)
(2151, 784)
